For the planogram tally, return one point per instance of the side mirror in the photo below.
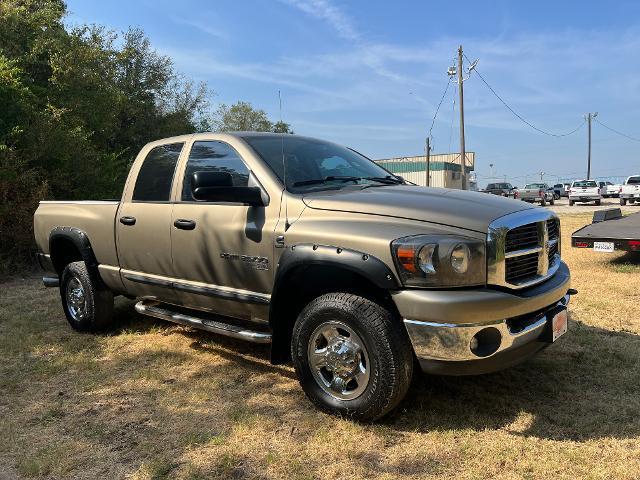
(218, 187)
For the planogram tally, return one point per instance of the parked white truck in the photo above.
(630, 190)
(584, 191)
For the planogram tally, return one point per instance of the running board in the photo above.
(152, 309)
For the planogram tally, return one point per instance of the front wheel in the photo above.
(352, 356)
(552, 201)
(87, 305)
(598, 203)
(571, 202)
(623, 201)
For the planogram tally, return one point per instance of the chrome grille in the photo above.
(523, 248)
(518, 238)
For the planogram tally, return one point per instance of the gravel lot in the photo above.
(562, 206)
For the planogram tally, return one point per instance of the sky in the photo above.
(370, 74)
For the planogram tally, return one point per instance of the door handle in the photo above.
(183, 224)
(128, 220)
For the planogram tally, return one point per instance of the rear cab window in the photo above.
(155, 177)
(633, 181)
(585, 184)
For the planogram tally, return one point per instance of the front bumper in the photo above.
(444, 326)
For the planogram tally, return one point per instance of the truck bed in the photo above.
(96, 217)
(623, 232)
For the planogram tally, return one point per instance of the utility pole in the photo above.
(427, 149)
(589, 116)
(463, 161)
(541, 176)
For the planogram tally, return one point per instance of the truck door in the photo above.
(222, 251)
(143, 224)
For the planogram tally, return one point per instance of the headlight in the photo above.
(440, 260)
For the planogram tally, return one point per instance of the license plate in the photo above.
(559, 324)
(606, 247)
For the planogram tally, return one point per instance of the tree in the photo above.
(76, 106)
(242, 117)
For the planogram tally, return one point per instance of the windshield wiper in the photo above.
(389, 179)
(330, 178)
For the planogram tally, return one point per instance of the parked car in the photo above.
(613, 190)
(560, 190)
(606, 188)
(348, 272)
(584, 191)
(537, 192)
(501, 189)
(630, 190)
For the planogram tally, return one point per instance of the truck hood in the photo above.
(457, 208)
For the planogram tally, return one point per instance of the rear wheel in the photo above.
(351, 356)
(87, 305)
(632, 201)
(543, 202)
(571, 202)
(552, 201)
(598, 202)
(623, 201)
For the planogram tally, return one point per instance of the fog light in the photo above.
(486, 342)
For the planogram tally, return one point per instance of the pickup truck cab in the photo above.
(501, 189)
(585, 191)
(560, 190)
(537, 192)
(630, 190)
(344, 269)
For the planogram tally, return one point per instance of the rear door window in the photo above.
(156, 174)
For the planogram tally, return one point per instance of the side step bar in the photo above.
(152, 309)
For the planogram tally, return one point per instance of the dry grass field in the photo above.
(151, 400)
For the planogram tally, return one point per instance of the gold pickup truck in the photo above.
(348, 272)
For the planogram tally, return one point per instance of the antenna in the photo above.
(284, 170)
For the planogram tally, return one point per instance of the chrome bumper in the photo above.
(454, 342)
(478, 331)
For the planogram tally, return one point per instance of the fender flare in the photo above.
(81, 241)
(363, 264)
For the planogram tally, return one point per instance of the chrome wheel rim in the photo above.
(76, 300)
(339, 360)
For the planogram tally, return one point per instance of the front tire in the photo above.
(571, 202)
(87, 305)
(352, 356)
(552, 201)
(598, 203)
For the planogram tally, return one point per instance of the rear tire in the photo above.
(623, 201)
(543, 202)
(571, 202)
(632, 201)
(552, 201)
(352, 356)
(598, 202)
(87, 305)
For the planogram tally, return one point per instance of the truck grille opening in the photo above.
(522, 237)
(521, 268)
(552, 228)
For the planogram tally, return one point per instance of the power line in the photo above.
(619, 133)
(520, 117)
(439, 105)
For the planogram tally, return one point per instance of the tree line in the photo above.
(77, 104)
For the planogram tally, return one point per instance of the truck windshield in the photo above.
(316, 164)
(585, 184)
